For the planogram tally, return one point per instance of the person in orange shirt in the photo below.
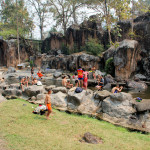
(80, 76)
(48, 104)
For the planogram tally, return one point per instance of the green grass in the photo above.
(23, 130)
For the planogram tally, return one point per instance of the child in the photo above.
(34, 82)
(80, 76)
(48, 104)
(117, 89)
(76, 79)
(64, 81)
(85, 81)
(100, 83)
(40, 75)
(68, 85)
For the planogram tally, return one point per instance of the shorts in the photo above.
(49, 107)
(76, 81)
(80, 78)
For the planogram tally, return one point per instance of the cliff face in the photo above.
(76, 36)
(9, 53)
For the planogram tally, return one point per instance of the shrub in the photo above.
(109, 66)
(92, 47)
(65, 49)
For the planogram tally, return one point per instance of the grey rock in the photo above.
(101, 95)
(137, 85)
(59, 100)
(2, 98)
(59, 89)
(140, 76)
(57, 74)
(11, 70)
(47, 88)
(144, 105)
(41, 97)
(10, 92)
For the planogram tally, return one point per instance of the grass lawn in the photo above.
(22, 130)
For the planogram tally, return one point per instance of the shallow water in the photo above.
(134, 93)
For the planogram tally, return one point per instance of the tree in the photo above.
(41, 10)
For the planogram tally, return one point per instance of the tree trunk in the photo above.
(74, 15)
(18, 44)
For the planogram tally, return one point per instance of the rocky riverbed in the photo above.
(120, 109)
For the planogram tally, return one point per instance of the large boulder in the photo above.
(101, 95)
(33, 90)
(47, 88)
(57, 74)
(81, 102)
(11, 70)
(12, 92)
(59, 89)
(137, 85)
(144, 105)
(119, 105)
(59, 101)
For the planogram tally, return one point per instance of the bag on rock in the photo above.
(78, 90)
(41, 109)
(39, 83)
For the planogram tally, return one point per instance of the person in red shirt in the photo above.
(80, 76)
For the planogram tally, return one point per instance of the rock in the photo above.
(57, 74)
(107, 86)
(137, 85)
(2, 98)
(11, 70)
(33, 98)
(90, 138)
(81, 102)
(14, 97)
(15, 86)
(126, 58)
(12, 92)
(108, 79)
(41, 97)
(140, 76)
(59, 100)
(33, 90)
(119, 105)
(50, 87)
(13, 79)
(59, 89)
(101, 95)
(144, 105)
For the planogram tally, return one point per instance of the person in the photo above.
(40, 75)
(76, 79)
(23, 82)
(93, 72)
(64, 81)
(2, 80)
(100, 83)
(117, 89)
(68, 85)
(34, 82)
(32, 73)
(80, 76)
(85, 80)
(48, 104)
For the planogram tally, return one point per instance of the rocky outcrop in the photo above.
(67, 62)
(126, 57)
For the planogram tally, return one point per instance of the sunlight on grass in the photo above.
(26, 131)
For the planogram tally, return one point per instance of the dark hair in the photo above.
(63, 77)
(83, 69)
(76, 73)
(79, 66)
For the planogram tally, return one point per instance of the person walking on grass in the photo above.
(80, 76)
(48, 104)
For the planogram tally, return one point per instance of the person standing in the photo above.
(32, 73)
(93, 72)
(80, 76)
(48, 104)
(85, 81)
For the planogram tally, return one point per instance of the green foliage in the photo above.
(92, 47)
(31, 63)
(65, 49)
(109, 66)
(10, 13)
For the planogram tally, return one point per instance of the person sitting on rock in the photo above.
(76, 79)
(2, 80)
(34, 82)
(80, 76)
(117, 89)
(64, 81)
(69, 85)
(23, 83)
(93, 72)
(40, 75)
(100, 83)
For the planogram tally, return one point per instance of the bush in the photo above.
(65, 49)
(109, 66)
(92, 47)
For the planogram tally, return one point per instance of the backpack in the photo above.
(78, 90)
(39, 83)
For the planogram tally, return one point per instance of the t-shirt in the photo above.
(80, 73)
